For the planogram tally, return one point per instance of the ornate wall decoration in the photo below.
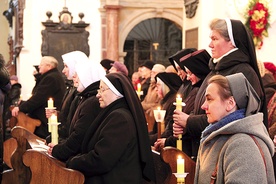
(16, 13)
(190, 7)
(64, 36)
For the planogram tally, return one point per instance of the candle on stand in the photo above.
(180, 168)
(54, 129)
(179, 103)
(50, 103)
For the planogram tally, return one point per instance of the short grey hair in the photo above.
(50, 60)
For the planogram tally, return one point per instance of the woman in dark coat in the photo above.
(87, 78)
(116, 147)
(233, 51)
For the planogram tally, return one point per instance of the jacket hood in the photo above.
(249, 125)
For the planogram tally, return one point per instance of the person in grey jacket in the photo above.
(236, 145)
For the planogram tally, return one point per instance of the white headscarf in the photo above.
(71, 59)
(89, 72)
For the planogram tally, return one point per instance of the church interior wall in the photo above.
(35, 13)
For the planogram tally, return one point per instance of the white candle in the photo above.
(179, 103)
(53, 118)
(180, 168)
(54, 133)
(138, 90)
(50, 103)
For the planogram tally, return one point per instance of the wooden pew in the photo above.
(19, 172)
(10, 144)
(170, 155)
(163, 171)
(22, 174)
(46, 169)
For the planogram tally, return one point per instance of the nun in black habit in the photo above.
(233, 51)
(116, 146)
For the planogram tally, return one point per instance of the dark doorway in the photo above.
(153, 39)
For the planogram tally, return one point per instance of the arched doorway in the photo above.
(152, 39)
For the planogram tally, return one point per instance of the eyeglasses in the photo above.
(101, 90)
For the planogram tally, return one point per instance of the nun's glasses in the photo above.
(101, 90)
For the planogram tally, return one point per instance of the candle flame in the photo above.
(178, 96)
(179, 157)
(158, 108)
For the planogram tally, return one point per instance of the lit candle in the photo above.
(180, 168)
(139, 90)
(50, 103)
(179, 103)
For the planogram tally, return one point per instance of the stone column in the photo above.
(112, 21)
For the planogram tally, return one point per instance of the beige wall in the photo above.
(4, 30)
(233, 9)
(35, 13)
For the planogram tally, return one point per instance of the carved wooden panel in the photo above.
(15, 13)
(62, 37)
(191, 38)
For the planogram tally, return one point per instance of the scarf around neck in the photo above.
(238, 114)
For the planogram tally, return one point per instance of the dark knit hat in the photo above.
(120, 67)
(176, 57)
(197, 63)
(148, 64)
(270, 66)
(14, 77)
(106, 63)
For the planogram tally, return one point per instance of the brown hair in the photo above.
(223, 85)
